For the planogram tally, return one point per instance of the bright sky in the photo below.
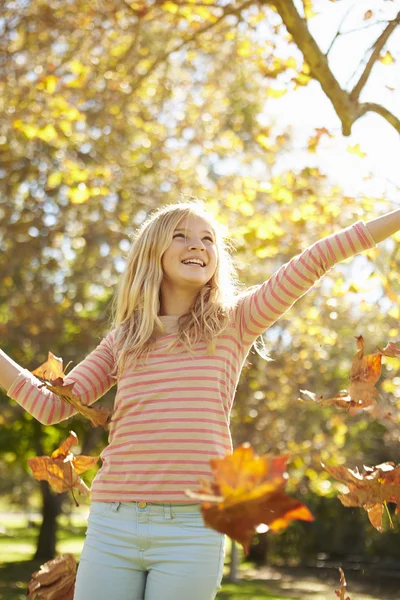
(308, 108)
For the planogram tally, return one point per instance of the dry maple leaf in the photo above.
(364, 373)
(372, 490)
(62, 468)
(52, 374)
(247, 491)
(55, 580)
(392, 350)
(340, 593)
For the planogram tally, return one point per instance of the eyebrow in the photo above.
(204, 230)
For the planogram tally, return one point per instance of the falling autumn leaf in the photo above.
(55, 579)
(392, 350)
(247, 491)
(364, 373)
(62, 468)
(356, 150)
(52, 374)
(314, 140)
(341, 593)
(372, 490)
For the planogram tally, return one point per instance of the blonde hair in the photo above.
(136, 304)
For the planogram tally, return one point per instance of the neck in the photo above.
(176, 302)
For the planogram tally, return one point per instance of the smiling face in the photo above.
(193, 238)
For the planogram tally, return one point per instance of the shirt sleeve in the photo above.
(91, 377)
(261, 306)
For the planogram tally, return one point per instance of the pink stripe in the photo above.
(170, 451)
(148, 494)
(152, 482)
(169, 391)
(163, 431)
(136, 423)
(348, 237)
(361, 235)
(300, 275)
(331, 252)
(163, 442)
(159, 462)
(339, 243)
(159, 472)
(139, 403)
(177, 379)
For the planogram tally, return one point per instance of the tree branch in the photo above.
(378, 46)
(382, 111)
(346, 104)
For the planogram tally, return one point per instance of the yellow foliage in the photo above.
(48, 84)
(387, 58)
(78, 195)
(54, 179)
(276, 93)
(170, 7)
(356, 150)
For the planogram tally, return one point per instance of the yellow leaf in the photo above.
(368, 15)
(263, 141)
(275, 93)
(78, 195)
(48, 133)
(170, 7)
(386, 59)
(54, 180)
(356, 150)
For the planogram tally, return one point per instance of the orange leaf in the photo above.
(379, 485)
(247, 491)
(62, 468)
(55, 580)
(52, 375)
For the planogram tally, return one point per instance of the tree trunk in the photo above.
(258, 552)
(233, 567)
(51, 508)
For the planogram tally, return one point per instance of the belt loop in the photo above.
(115, 506)
(167, 511)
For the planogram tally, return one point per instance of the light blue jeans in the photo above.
(149, 551)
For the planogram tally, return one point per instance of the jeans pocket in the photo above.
(189, 521)
(99, 509)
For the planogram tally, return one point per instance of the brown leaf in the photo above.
(378, 486)
(368, 15)
(340, 593)
(55, 580)
(392, 350)
(62, 468)
(52, 375)
(247, 491)
(364, 373)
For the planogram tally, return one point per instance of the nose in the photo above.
(196, 245)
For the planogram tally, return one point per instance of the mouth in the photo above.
(193, 265)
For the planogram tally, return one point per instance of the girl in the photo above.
(181, 331)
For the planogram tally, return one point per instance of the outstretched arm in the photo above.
(384, 226)
(91, 377)
(262, 305)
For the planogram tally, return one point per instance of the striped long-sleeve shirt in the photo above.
(171, 413)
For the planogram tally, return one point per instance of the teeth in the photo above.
(192, 262)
